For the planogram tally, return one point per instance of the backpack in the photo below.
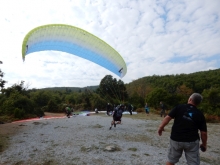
(119, 113)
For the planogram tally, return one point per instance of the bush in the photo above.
(39, 112)
(212, 118)
(19, 113)
(140, 110)
(80, 107)
(52, 106)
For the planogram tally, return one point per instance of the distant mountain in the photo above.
(71, 89)
(196, 81)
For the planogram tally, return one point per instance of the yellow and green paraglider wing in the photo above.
(76, 41)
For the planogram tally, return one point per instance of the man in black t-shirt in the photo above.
(188, 120)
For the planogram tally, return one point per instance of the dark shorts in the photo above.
(191, 150)
(117, 118)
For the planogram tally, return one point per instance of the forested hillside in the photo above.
(18, 102)
(196, 82)
(71, 89)
(175, 89)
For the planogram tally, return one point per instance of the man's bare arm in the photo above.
(165, 121)
(204, 138)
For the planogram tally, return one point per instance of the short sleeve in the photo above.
(202, 125)
(173, 112)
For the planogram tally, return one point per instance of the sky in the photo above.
(154, 37)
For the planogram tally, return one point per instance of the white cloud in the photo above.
(154, 37)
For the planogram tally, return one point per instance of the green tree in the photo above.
(157, 95)
(71, 98)
(41, 97)
(52, 106)
(97, 102)
(15, 87)
(2, 82)
(23, 105)
(111, 90)
(136, 100)
(211, 101)
(19, 113)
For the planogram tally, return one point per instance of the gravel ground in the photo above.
(87, 140)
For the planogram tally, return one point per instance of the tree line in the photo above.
(175, 89)
(20, 102)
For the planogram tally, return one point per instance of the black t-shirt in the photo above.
(187, 121)
(108, 107)
(163, 107)
(118, 112)
(129, 107)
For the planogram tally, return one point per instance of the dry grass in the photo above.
(136, 138)
(6, 131)
(96, 126)
(3, 143)
(212, 119)
(143, 116)
(132, 149)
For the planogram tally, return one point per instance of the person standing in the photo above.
(108, 109)
(188, 120)
(147, 109)
(163, 109)
(68, 112)
(130, 109)
(96, 110)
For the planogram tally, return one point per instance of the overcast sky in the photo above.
(154, 37)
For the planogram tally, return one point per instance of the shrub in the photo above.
(212, 118)
(39, 112)
(139, 110)
(19, 113)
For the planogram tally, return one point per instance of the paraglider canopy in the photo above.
(76, 41)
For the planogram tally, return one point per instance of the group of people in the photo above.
(162, 106)
(111, 108)
(188, 128)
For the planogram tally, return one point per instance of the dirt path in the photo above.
(88, 140)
